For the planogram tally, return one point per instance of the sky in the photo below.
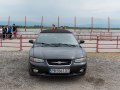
(65, 9)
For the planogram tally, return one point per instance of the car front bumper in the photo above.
(43, 69)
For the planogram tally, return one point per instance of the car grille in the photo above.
(59, 61)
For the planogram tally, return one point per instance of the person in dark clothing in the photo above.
(14, 31)
(4, 32)
(9, 32)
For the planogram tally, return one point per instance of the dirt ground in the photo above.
(103, 73)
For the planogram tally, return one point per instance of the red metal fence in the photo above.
(97, 43)
(10, 43)
(100, 43)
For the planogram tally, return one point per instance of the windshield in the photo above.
(56, 38)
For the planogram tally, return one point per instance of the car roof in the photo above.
(55, 31)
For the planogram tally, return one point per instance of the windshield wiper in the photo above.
(62, 44)
(43, 44)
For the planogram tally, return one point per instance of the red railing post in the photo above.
(108, 24)
(117, 42)
(1, 41)
(58, 21)
(100, 35)
(20, 42)
(42, 23)
(8, 20)
(25, 23)
(91, 24)
(97, 44)
(75, 24)
(90, 35)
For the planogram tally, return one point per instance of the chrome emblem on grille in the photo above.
(59, 62)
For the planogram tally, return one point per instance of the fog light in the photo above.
(35, 70)
(81, 70)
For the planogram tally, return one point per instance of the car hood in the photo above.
(57, 52)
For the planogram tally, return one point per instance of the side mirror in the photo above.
(31, 41)
(81, 41)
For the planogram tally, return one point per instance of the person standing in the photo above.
(3, 32)
(62, 27)
(0, 31)
(6, 29)
(53, 27)
(14, 31)
(9, 32)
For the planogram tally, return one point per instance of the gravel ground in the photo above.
(102, 74)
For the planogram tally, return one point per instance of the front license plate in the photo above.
(59, 71)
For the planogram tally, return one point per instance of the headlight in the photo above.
(36, 60)
(83, 59)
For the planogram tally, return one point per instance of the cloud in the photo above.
(66, 9)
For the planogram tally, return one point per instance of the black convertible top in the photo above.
(55, 31)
